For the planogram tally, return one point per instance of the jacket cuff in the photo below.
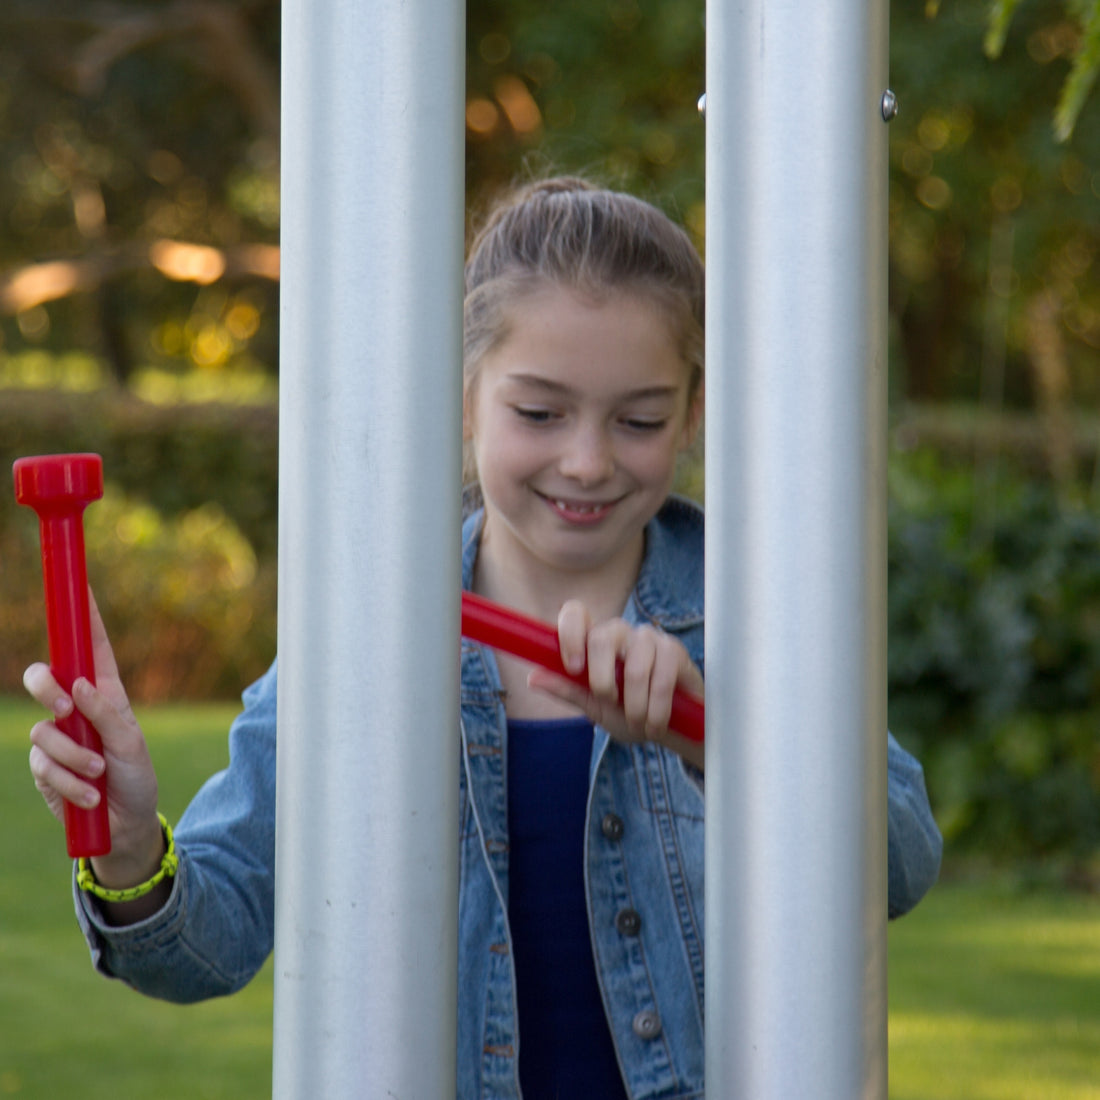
(105, 939)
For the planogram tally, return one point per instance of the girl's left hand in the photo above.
(654, 665)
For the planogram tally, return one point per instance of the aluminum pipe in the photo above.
(795, 554)
(369, 569)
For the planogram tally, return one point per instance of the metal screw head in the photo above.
(889, 106)
(702, 105)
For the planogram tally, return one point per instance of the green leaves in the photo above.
(1082, 74)
(1085, 14)
(1000, 16)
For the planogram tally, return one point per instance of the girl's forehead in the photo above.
(616, 343)
(545, 296)
(561, 318)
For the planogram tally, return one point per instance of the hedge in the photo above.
(994, 656)
(181, 551)
(178, 457)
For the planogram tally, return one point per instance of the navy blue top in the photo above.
(565, 1047)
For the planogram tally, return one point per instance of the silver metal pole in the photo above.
(795, 460)
(369, 571)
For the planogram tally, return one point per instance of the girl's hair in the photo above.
(566, 232)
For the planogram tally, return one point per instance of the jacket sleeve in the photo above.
(915, 846)
(217, 927)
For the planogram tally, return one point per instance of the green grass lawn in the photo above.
(994, 994)
(65, 1031)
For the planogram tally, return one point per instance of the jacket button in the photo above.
(612, 826)
(647, 1024)
(628, 922)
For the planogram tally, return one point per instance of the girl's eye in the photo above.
(534, 415)
(637, 424)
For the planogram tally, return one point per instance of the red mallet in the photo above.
(58, 487)
(500, 627)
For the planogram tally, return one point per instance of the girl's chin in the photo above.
(581, 550)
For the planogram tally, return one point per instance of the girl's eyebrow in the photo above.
(551, 385)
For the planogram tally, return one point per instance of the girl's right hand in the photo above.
(62, 768)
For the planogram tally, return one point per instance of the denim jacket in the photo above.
(643, 864)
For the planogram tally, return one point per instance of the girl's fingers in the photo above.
(130, 772)
(43, 688)
(638, 664)
(62, 768)
(668, 667)
(101, 646)
(57, 782)
(607, 644)
(106, 667)
(111, 724)
(650, 663)
(59, 747)
(574, 623)
(653, 663)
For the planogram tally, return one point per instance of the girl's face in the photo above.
(576, 420)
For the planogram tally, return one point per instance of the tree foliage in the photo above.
(994, 231)
(1085, 14)
(141, 185)
(139, 140)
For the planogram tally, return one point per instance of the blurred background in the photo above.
(139, 229)
(139, 282)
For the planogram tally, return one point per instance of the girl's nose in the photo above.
(587, 458)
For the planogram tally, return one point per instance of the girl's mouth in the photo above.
(580, 513)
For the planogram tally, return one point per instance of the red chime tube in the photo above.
(58, 487)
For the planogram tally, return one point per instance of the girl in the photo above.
(581, 904)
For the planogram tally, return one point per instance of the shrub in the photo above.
(181, 549)
(190, 610)
(177, 457)
(994, 655)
